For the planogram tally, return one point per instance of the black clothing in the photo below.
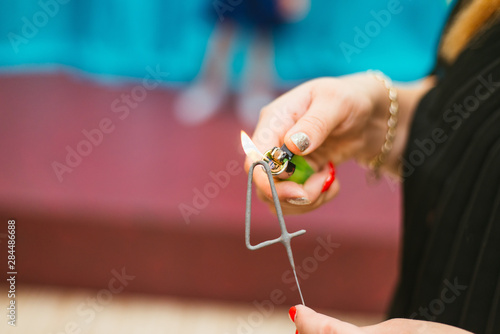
(451, 168)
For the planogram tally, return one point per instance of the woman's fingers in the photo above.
(291, 209)
(297, 199)
(326, 111)
(279, 116)
(308, 321)
(284, 189)
(302, 119)
(275, 120)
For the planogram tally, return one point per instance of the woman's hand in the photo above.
(327, 120)
(309, 322)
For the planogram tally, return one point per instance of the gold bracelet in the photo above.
(380, 158)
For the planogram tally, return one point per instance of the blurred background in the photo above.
(121, 163)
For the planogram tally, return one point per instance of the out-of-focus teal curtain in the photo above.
(116, 37)
(120, 38)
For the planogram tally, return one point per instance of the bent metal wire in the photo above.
(285, 237)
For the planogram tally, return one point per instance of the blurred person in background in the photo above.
(446, 149)
(205, 97)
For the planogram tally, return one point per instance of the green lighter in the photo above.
(284, 164)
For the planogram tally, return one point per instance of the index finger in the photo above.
(274, 122)
(280, 116)
(284, 189)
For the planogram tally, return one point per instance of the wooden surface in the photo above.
(48, 310)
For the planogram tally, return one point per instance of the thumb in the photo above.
(311, 130)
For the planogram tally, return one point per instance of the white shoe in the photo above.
(201, 100)
(199, 103)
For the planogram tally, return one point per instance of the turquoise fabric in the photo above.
(404, 49)
(120, 38)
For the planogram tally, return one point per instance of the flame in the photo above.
(249, 147)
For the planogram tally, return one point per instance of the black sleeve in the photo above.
(451, 169)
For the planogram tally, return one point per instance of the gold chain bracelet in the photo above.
(380, 158)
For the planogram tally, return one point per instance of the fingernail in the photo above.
(296, 331)
(299, 201)
(330, 178)
(292, 312)
(301, 140)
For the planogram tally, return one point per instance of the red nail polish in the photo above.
(296, 331)
(292, 312)
(331, 177)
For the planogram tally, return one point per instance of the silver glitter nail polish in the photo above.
(299, 201)
(301, 140)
